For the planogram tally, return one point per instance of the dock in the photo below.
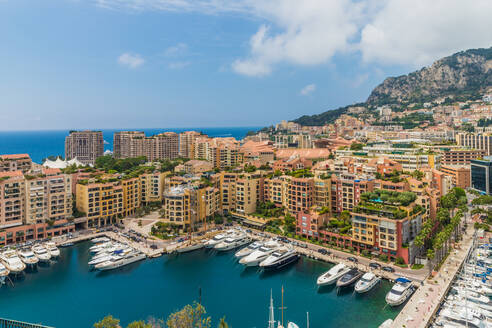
(420, 309)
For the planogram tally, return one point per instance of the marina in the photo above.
(169, 275)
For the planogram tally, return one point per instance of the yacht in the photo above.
(367, 282)
(280, 258)
(12, 262)
(332, 275)
(28, 257)
(255, 257)
(100, 247)
(463, 319)
(41, 253)
(233, 242)
(52, 249)
(215, 240)
(4, 272)
(67, 244)
(400, 291)
(473, 285)
(190, 247)
(118, 263)
(248, 249)
(100, 240)
(349, 278)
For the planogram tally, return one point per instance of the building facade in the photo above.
(86, 146)
(481, 175)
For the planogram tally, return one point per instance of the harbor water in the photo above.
(67, 294)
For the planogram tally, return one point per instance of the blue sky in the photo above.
(183, 63)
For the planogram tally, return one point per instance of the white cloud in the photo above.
(308, 89)
(131, 60)
(176, 50)
(311, 32)
(179, 65)
(418, 32)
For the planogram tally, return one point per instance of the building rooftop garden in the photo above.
(391, 204)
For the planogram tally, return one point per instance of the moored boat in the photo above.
(280, 258)
(255, 257)
(366, 282)
(248, 249)
(332, 275)
(400, 292)
(27, 256)
(41, 253)
(233, 242)
(189, 247)
(100, 240)
(349, 278)
(120, 262)
(52, 249)
(4, 272)
(12, 262)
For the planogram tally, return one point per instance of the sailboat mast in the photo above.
(271, 318)
(283, 306)
(307, 315)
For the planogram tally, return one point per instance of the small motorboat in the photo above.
(349, 278)
(51, 247)
(366, 282)
(332, 275)
(67, 244)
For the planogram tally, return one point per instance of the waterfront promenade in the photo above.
(424, 303)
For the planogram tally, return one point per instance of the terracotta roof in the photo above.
(310, 153)
(15, 156)
(11, 174)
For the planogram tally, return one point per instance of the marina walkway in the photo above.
(420, 309)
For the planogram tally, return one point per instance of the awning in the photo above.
(253, 223)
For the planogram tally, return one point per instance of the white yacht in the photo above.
(118, 263)
(100, 240)
(41, 253)
(248, 249)
(367, 282)
(100, 258)
(215, 240)
(4, 272)
(12, 262)
(332, 275)
(27, 256)
(472, 285)
(52, 249)
(233, 242)
(190, 246)
(462, 318)
(280, 258)
(400, 291)
(255, 257)
(100, 247)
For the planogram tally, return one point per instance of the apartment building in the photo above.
(300, 194)
(221, 152)
(12, 199)
(130, 144)
(34, 206)
(105, 200)
(188, 206)
(48, 197)
(152, 187)
(475, 141)
(15, 162)
(275, 190)
(346, 190)
(377, 228)
(460, 175)
(187, 141)
(86, 146)
(461, 156)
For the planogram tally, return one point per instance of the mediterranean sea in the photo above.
(67, 294)
(41, 144)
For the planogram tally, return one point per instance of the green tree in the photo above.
(139, 324)
(108, 322)
(223, 323)
(191, 316)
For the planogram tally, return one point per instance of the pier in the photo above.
(420, 309)
(7, 323)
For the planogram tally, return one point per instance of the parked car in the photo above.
(352, 259)
(323, 251)
(374, 265)
(388, 269)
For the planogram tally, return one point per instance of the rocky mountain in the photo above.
(465, 74)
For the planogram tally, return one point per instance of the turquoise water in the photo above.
(67, 294)
(41, 144)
